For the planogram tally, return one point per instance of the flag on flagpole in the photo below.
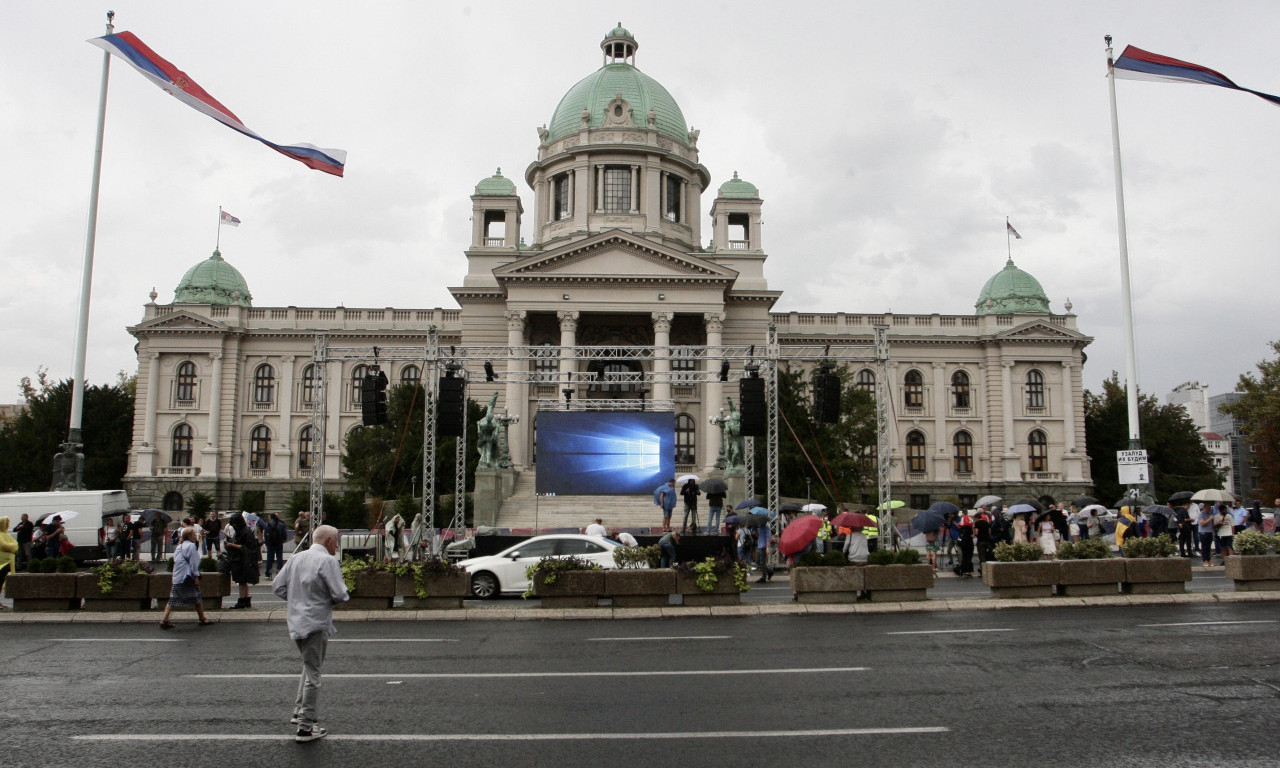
(1137, 64)
(228, 219)
(178, 84)
(1012, 231)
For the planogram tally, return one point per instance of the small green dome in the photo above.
(213, 281)
(738, 188)
(1012, 291)
(497, 184)
(618, 77)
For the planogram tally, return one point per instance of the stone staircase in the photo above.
(524, 510)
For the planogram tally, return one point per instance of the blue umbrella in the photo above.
(942, 508)
(748, 504)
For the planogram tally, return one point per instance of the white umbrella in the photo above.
(1213, 494)
(69, 514)
(1093, 509)
(815, 507)
(987, 501)
(681, 480)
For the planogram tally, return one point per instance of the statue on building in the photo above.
(68, 468)
(487, 434)
(733, 444)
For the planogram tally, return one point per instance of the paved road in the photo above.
(1194, 685)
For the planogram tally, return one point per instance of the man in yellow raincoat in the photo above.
(8, 550)
(1128, 519)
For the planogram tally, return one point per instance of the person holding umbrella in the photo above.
(715, 488)
(965, 525)
(690, 493)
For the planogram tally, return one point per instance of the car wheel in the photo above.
(484, 585)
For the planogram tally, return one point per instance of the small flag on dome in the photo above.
(1012, 231)
(228, 219)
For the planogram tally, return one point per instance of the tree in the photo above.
(1257, 413)
(819, 452)
(29, 441)
(1179, 460)
(199, 505)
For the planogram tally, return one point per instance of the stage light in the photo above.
(489, 375)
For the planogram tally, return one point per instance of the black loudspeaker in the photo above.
(451, 408)
(755, 422)
(373, 398)
(826, 398)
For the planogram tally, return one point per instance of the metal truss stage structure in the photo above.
(760, 360)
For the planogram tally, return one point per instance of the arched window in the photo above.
(309, 384)
(306, 444)
(173, 501)
(913, 389)
(960, 389)
(260, 447)
(186, 391)
(411, 374)
(915, 451)
(182, 439)
(264, 384)
(1038, 451)
(686, 436)
(962, 450)
(866, 381)
(357, 382)
(1035, 389)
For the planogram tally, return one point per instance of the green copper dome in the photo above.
(1012, 291)
(738, 188)
(618, 77)
(213, 281)
(497, 184)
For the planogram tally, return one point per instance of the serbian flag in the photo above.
(1012, 231)
(176, 83)
(229, 220)
(1137, 64)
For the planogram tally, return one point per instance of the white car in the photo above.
(504, 572)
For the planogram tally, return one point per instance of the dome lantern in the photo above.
(619, 46)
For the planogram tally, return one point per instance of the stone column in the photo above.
(209, 454)
(517, 394)
(1068, 409)
(635, 189)
(599, 206)
(661, 355)
(148, 451)
(712, 393)
(336, 390)
(1010, 470)
(568, 339)
(281, 464)
(942, 465)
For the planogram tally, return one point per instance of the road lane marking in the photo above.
(672, 637)
(393, 640)
(1210, 623)
(115, 639)
(507, 675)
(949, 631)
(384, 737)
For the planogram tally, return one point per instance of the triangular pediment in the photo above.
(1039, 330)
(178, 320)
(614, 256)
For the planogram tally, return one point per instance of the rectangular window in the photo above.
(617, 189)
(919, 501)
(683, 365)
(675, 187)
(560, 197)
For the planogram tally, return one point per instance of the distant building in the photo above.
(1194, 397)
(1243, 479)
(1219, 449)
(9, 412)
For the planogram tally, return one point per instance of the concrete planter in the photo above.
(640, 588)
(1011, 580)
(571, 589)
(374, 590)
(213, 587)
(829, 584)
(1077, 578)
(1254, 573)
(444, 591)
(1156, 575)
(725, 592)
(897, 583)
(130, 593)
(42, 591)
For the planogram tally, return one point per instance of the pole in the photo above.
(74, 434)
(217, 241)
(1126, 299)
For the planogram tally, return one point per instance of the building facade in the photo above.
(990, 402)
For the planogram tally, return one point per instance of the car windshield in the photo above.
(533, 549)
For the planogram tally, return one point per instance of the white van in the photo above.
(82, 529)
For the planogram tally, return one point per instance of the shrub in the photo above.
(110, 574)
(907, 556)
(710, 570)
(824, 559)
(1022, 552)
(353, 566)
(549, 567)
(66, 564)
(1253, 543)
(1089, 549)
(1161, 546)
(207, 564)
(881, 557)
(637, 557)
(49, 565)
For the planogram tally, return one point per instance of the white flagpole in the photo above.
(1126, 299)
(74, 434)
(217, 242)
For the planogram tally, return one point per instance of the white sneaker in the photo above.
(311, 733)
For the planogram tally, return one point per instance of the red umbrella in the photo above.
(852, 520)
(797, 536)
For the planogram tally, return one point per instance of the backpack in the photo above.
(273, 534)
(1255, 517)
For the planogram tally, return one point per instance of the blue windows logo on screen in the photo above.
(604, 452)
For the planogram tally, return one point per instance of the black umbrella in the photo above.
(790, 506)
(149, 515)
(735, 519)
(1159, 509)
(748, 504)
(929, 521)
(755, 521)
(1084, 501)
(713, 485)
(1134, 501)
(942, 508)
(1180, 497)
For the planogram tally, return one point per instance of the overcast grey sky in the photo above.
(889, 141)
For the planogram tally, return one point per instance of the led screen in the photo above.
(592, 453)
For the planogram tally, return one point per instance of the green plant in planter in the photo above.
(637, 557)
(1160, 546)
(44, 565)
(207, 564)
(1089, 549)
(907, 556)
(1022, 552)
(112, 573)
(832, 559)
(1253, 543)
(549, 567)
(354, 566)
(708, 572)
(66, 564)
(431, 567)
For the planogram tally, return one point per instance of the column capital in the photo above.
(939, 366)
(1007, 364)
(714, 321)
(515, 319)
(661, 321)
(287, 359)
(568, 319)
(1068, 365)
(215, 357)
